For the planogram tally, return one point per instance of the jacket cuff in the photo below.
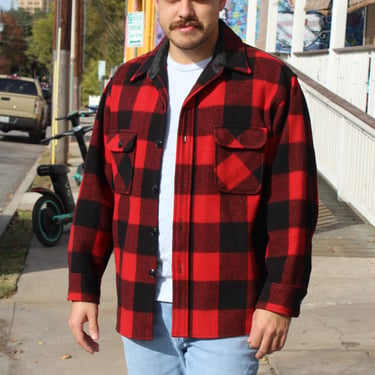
(281, 299)
(83, 288)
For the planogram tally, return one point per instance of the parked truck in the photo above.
(23, 106)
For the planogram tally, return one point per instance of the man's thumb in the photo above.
(94, 328)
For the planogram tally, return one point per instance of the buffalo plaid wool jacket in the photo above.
(245, 202)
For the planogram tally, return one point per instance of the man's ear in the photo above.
(222, 4)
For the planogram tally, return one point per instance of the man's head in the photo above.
(191, 26)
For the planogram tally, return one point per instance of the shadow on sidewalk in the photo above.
(41, 258)
(340, 231)
(333, 214)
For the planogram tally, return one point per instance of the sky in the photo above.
(5, 4)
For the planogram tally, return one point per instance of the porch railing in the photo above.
(344, 140)
(348, 72)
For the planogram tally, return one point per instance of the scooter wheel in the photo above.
(46, 229)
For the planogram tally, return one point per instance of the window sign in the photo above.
(136, 26)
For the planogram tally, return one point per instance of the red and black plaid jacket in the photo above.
(245, 203)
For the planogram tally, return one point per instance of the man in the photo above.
(201, 178)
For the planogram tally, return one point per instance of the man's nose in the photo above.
(185, 8)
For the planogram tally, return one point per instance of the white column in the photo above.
(273, 7)
(299, 19)
(251, 22)
(337, 40)
(338, 26)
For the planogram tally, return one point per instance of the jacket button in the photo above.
(152, 273)
(155, 189)
(154, 232)
(159, 144)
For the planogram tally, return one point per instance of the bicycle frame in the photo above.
(55, 207)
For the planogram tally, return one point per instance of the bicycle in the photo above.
(55, 208)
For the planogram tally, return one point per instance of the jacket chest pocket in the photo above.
(239, 159)
(122, 147)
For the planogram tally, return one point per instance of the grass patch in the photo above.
(14, 246)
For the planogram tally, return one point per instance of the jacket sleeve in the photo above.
(90, 242)
(292, 206)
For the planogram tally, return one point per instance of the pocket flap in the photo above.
(240, 138)
(124, 141)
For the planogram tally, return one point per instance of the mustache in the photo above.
(186, 22)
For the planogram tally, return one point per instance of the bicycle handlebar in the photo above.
(80, 114)
(84, 129)
(74, 117)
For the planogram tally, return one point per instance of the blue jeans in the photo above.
(166, 355)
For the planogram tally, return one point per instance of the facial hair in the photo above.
(190, 21)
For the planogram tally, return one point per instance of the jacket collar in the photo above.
(229, 54)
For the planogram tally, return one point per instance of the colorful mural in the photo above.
(237, 16)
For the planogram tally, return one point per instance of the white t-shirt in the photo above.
(181, 78)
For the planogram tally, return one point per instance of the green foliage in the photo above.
(40, 43)
(24, 19)
(104, 40)
(90, 82)
(12, 46)
(20, 51)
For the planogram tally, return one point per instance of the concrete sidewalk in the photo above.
(334, 335)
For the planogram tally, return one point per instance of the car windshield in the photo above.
(17, 86)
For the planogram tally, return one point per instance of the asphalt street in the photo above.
(17, 157)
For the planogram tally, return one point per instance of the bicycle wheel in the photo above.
(47, 230)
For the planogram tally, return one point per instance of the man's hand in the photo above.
(269, 332)
(81, 313)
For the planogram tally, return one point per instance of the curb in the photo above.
(13, 205)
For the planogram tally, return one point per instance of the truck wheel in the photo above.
(46, 229)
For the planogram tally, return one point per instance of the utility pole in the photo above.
(75, 54)
(60, 103)
(79, 49)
